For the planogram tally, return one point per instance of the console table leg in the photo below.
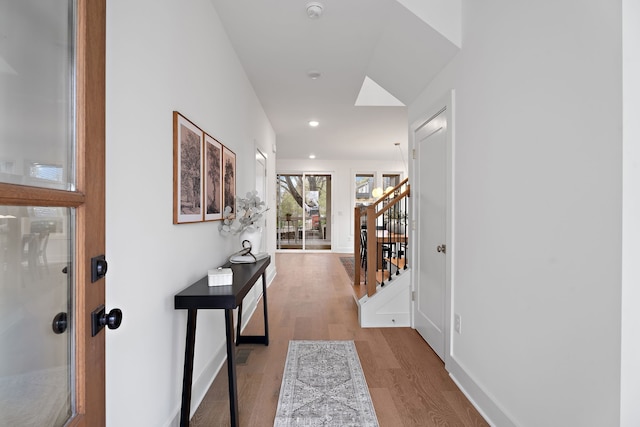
(231, 368)
(188, 367)
(264, 304)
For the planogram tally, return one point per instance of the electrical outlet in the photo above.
(457, 323)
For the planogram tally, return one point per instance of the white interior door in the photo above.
(431, 277)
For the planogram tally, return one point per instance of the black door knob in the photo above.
(100, 318)
(112, 319)
(59, 324)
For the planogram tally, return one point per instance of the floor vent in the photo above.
(242, 354)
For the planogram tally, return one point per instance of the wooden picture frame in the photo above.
(188, 191)
(213, 206)
(229, 180)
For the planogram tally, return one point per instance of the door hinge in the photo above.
(413, 153)
(413, 295)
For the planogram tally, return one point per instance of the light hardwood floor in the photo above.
(312, 299)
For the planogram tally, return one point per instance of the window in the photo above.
(390, 180)
(365, 184)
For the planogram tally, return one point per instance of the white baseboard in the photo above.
(271, 273)
(484, 403)
(201, 384)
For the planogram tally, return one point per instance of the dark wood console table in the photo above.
(202, 296)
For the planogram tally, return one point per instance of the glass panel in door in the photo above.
(290, 212)
(304, 211)
(36, 303)
(36, 82)
(317, 191)
(37, 149)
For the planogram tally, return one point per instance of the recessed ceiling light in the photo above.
(313, 74)
(314, 123)
(312, 156)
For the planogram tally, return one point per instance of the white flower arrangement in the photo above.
(252, 209)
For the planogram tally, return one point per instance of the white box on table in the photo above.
(220, 277)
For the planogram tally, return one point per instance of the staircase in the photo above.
(381, 251)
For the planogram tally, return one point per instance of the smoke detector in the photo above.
(314, 9)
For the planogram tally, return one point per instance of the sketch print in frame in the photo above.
(212, 179)
(187, 170)
(229, 177)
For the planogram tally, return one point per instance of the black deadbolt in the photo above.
(59, 324)
(98, 268)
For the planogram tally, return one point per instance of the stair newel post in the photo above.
(405, 223)
(371, 250)
(357, 221)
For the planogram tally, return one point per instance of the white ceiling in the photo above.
(278, 45)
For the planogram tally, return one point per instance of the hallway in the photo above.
(311, 299)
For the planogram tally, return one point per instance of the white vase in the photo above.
(253, 235)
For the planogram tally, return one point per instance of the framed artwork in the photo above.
(229, 180)
(212, 179)
(187, 170)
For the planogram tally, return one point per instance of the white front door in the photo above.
(431, 212)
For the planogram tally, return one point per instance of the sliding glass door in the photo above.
(304, 211)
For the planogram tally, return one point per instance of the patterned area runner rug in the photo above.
(323, 385)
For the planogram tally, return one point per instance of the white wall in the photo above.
(162, 56)
(630, 387)
(537, 277)
(343, 174)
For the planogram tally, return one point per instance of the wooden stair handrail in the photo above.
(372, 213)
